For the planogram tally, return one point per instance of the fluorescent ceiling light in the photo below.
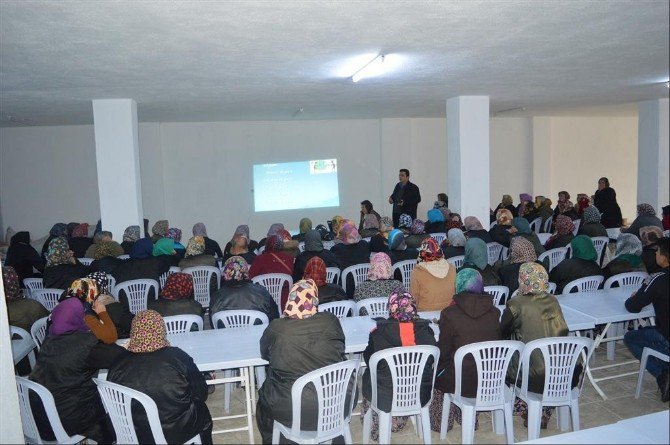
(373, 68)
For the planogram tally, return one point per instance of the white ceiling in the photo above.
(244, 60)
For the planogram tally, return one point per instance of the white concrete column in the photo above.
(118, 163)
(11, 430)
(652, 157)
(468, 156)
(541, 172)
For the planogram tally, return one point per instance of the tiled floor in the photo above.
(594, 411)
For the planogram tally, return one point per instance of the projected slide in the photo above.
(296, 185)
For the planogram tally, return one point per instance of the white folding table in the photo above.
(606, 434)
(655, 427)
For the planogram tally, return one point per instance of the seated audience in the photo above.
(433, 279)
(628, 256)
(380, 282)
(590, 225)
(646, 216)
(583, 263)
(273, 260)
(175, 235)
(525, 206)
(583, 201)
(565, 206)
(352, 250)
(474, 229)
(523, 230)
(304, 226)
(195, 254)
(370, 225)
(477, 258)
(58, 230)
(79, 241)
(119, 314)
(416, 234)
(328, 292)
(62, 268)
(313, 248)
(435, 223)
(239, 246)
(23, 257)
(273, 230)
(242, 230)
(105, 256)
(21, 312)
(563, 233)
(503, 231)
(170, 377)
(649, 236)
(177, 297)
(159, 230)
(99, 237)
(506, 204)
(130, 236)
(379, 241)
(454, 244)
(290, 245)
(398, 250)
(164, 252)
(369, 221)
(520, 251)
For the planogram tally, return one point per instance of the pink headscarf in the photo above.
(381, 267)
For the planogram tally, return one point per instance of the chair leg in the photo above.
(416, 424)
(563, 416)
(468, 425)
(425, 425)
(446, 405)
(260, 375)
(227, 389)
(509, 422)
(534, 419)
(574, 414)
(498, 421)
(347, 434)
(384, 427)
(367, 424)
(275, 433)
(640, 376)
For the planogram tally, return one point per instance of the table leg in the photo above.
(252, 383)
(247, 393)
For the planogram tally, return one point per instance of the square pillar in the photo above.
(652, 149)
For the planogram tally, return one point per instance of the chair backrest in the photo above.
(560, 356)
(367, 239)
(332, 274)
(457, 261)
(274, 283)
(555, 256)
(163, 278)
(666, 233)
(238, 318)
(632, 280)
(543, 237)
(38, 331)
(505, 253)
(406, 267)
(494, 250)
(111, 283)
(333, 384)
(85, 261)
(536, 225)
(499, 293)
(30, 431)
(48, 297)
(328, 244)
(202, 276)
(117, 401)
(438, 237)
(180, 324)
(547, 225)
(585, 284)
(260, 250)
(492, 225)
(301, 246)
(600, 242)
(341, 309)
(406, 364)
(577, 223)
(552, 288)
(375, 307)
(136, 292)
(492, 359)
(358, 271)
(32, 284)
(125, 256)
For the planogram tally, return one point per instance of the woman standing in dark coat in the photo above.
(605, 201)
(170, 377)
(302, 341)
(23, 257)
(583, 263)
(313, 248)
(61, 267)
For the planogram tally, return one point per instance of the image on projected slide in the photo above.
(296, 185)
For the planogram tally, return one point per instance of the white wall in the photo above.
(511, 159)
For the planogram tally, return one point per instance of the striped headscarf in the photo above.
(147, 333)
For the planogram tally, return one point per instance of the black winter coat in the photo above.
(212, 248)
(500, 235)
(62, 276)
(605, 201)
(330, 292)
(348, 255)
(121, 317)
(23, 257)
(107, 264)
(79, 246)
(168, 308)
(571, 269)
(592, 230)
(239, 295)
(481, 234)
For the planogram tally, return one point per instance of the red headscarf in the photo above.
(315, 270)
(178, 286)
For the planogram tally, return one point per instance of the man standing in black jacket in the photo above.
(654, 291)
(405, 197)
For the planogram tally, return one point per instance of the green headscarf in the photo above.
(305, 225)
(164, 246)
(469, 280)
(476, 253)
(522, 225)
(582, 247)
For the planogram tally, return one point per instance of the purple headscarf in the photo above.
(199, 229)
(68, 316)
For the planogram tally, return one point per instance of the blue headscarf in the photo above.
(142, 249)
(522, 225)
(434, 215)
(396, 240)
(476, 253)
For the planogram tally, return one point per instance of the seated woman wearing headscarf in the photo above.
(79, 241)
(164, 252)
(118, 313)
(273, 260)
(336, 225)
(239, 246)
(506, 204)
(302, 341)
(649, 235)
(435, 223)
(474, 229)
(398, 250)
(646, 216)
(98, 238)
(526, 205)
(69, 358)
(58, 230)
(583, 263)
(175, 235)
(471, 318)
(61, 266)
(403, 327)
(521, 251)
(313, 248)
(328, 292)
(523, 230)
(273, 230)
(563, 233)
(565, 206)
(416, 234)
(95, 313)
(130, 236)
(304, 226)
(105, 254)
(433, 279)
(169, 376)
(195, 254)
(379, 242)
(23, 257)
(21, 312)
(454, 244)
(503, 231)
(211, 246)
(177, 297)
(477, 258)
(352, 250)
(142, 264)
(159, 230)
(242, 230)
(628, 256)
(370, 225)
(380, 282)
(583, 201)
(238, 292)
(290, 246)
(590, 225)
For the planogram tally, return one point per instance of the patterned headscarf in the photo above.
(195, 246)
(564, 225)
(303, 300)
(164, 246)
(522, 225)
(504, 217)
(84, 289)
(199, 229)
(59, 229)
(472, 223)
(81, 231)
(434, 216)
(370, 221)
(506, 201)
(645, 209)
(274, 228)
(429, 251)
(349, 234)
(476, 253)
(402, 306)
(10, 279)
(235, 268)
(107, 248)
(381, 267)
(131, 234)
(305, 225)
(58, 252)
(533, 279)
(242, 229)
(160, 228)
(417, 227)
(456, 237)
(174, 234)
(591, 215)
(315, 270)
(564, 203)
(285, 235)
(582, 248)
(628, 244)
(142, 249)
(101, 281)
(147, 333)
(274, 243)
(521, 251)
(396, 240)
(405, 221)
(469, 280)
(70, 227)
(650, 234)
(386, 224)
(68, 316)
(583, 201)
(178, 286)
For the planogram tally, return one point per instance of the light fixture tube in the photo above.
(369, 68)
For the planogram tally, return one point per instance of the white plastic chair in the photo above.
(505, 253)
(359, 273)
(536, 225)
(547, 225)
(117, 400)
(407, 364)
(22, 333)
(48, 297)
(492, 359)
(492, 225)
(632, 280)
(32, 284)
(499, 293)
(202, 276)
(646, 352)
(332, 384)
(180, 324)
(600, 242)
(30, 431)
(375, 307)
(328, 244)
(494, 250)
(260, 250)
(406, 267)
(163, 278)
(341, 309)
(274, 283)
(577, 223)
(111, 283)
(555, 256)
(457, 261)
(85, 261)
(136, 292)
(438, 237)
(125, 256)
(332, 274)
(585, 284)
(552, 288)
(38, 331)
(560, 355)
(543, 237)
(301, 246)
